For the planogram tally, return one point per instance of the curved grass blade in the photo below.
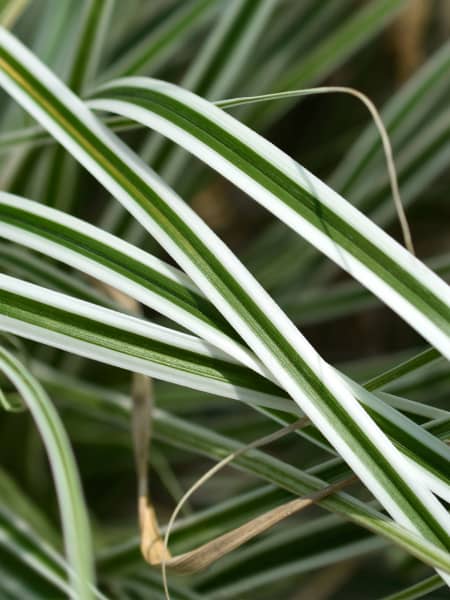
(292, 194)
(122, 266)
(71, 503)
(322, 304)
(213, 73)
(30, 320)
(20, 263)
(206, 442)
(127, 268)
(418, 590)
(198, 528)
(10, 403)
(314, 545)
(410, 407)
(318, 390)
(224, 516)
(417, 361)
(37, 136)
(130, 343)
(417, 164)
(401, 115)
(15, 211)
(194, 438)
(408, 437)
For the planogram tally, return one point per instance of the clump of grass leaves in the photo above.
(75, 296)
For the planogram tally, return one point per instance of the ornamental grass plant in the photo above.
(224, 316)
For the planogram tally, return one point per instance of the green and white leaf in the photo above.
(318, 390)
(292, 194)
(121, 265)
(72, 508)
(122, 340)
(194, 438)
